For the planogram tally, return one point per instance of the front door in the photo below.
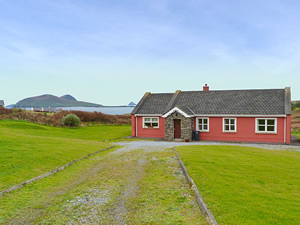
(177, 128)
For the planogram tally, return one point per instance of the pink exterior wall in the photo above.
(147, 132)
(245, 131)
(288, 129)
(133, 134)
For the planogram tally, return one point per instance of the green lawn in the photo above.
(243, 185)
(28, 150)
(96, 133)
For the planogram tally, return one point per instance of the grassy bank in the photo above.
(243, 185)
(28, 150)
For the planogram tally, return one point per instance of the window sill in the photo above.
(229, 132)
(204, 131)
(266, 132)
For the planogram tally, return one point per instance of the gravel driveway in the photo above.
(160, 145)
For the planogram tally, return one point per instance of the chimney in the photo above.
(205, 88)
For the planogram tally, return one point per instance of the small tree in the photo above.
(70, 120)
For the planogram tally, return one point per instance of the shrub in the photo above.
(70, 120)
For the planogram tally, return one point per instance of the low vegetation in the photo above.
(70, 120)
(28, 150)
(54, 119)
(243, 185)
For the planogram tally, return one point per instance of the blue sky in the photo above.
(111, 52)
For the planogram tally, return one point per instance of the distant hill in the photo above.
(68, 97)
(131, 104)
(53, 101)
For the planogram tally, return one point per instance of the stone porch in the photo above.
(186, 126)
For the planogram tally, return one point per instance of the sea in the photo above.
(116, 110)
(113, 110)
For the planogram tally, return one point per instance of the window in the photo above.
(229, 124)
(202, 124)
(150, 122)
(266, 125)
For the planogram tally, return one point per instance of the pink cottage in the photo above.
(228, 115)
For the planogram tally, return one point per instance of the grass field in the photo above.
(243, 185)
(96, 133)
(113, 187)
(28, 150)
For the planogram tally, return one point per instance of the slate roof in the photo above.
(1, 103)
(153, 104)
(185, 109)
(227, 102)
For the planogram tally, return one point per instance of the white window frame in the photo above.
(235, 125)
(144, 126)
(266, 125)
(197, 124)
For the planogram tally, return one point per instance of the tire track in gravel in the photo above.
(114, 198)
(119, 210)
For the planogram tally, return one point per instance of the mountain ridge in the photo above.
(48, 100)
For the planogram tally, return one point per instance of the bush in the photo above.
(70, 120)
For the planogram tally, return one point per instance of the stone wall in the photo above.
(186, 126)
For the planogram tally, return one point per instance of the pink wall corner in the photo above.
(150, 132)
(133, 132)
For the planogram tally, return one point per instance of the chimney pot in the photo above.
(205, 88)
